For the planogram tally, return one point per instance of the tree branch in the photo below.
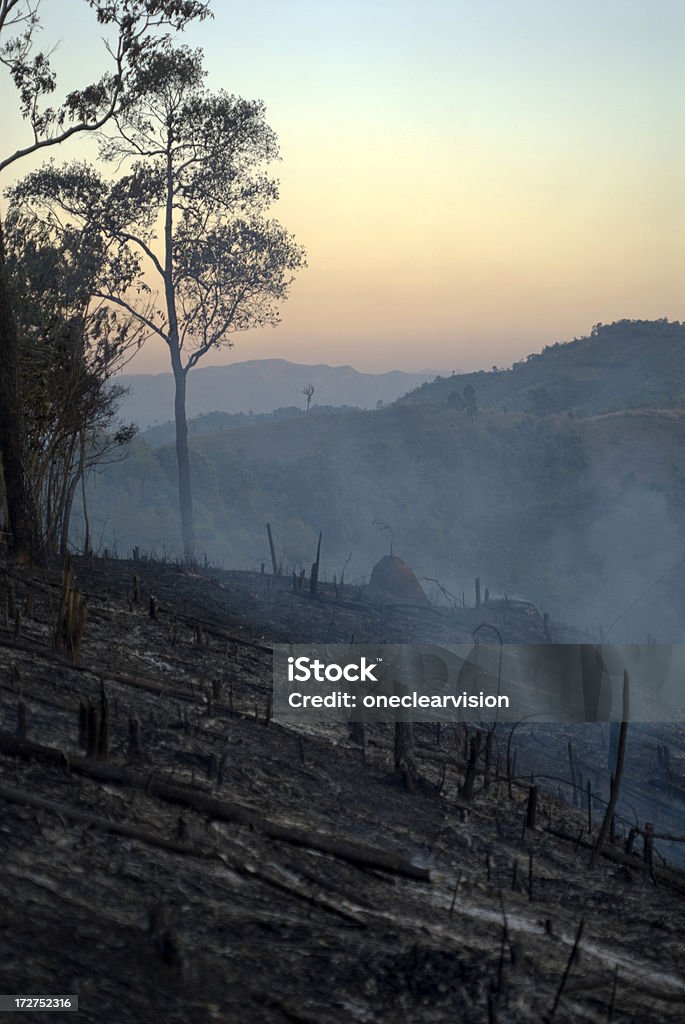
(117, 301)
(127, 237)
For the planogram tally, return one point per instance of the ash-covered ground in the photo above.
(170, 853)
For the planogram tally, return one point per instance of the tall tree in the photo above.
(132, 24)
(191, 213)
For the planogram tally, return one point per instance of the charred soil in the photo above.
(170, 853)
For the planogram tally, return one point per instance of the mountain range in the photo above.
(261, 385)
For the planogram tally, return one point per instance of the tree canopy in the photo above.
(190, 251)
(134, 27)
(69, 348)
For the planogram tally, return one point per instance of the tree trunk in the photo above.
(618, 771)
(67, 507)
(66, 517)
(84, 498)
(185, 500)
(23, 525)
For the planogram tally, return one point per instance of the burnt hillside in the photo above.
(543, 508)
(169, 852)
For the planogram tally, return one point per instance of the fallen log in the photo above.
(667, 876)
(137, 682)
(318, 900)
(186, 796)
(21, 796)
(64, 811)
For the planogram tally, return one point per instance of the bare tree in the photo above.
(132, 23)
(308, 392)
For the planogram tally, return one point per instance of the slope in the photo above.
(625, 365)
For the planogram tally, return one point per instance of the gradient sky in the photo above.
(472, 180)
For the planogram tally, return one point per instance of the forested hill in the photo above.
(580, 514)
(629, 364)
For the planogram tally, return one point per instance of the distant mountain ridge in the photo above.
(261, 385)
(630, 364)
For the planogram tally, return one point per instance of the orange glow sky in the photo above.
(471, 180)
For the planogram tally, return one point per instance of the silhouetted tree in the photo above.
(308, 392)
(470, 400)
(88, 109)
(68, 350)
(197, 164)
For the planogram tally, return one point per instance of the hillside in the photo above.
(541, 508)
(172, 853)
(580, 511)
(176, 853)
(630, 364)
(218, 422)
(260, 385)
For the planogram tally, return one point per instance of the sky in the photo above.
(471, 179)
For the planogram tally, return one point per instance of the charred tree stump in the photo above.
(314, 578)
(272, 550)
(648, 847)
(617, 774)
(531, 811)
(102, 752)
(358, 736)
(571, 959)
(92, 731)
(82, 725)
(471, 768)
(135, 748)
(21, 720)
(71, 618)
(573, 773)
(404, 743)
(488, 759)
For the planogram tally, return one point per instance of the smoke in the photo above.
(542, 510)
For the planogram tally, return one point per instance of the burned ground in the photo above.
(195, 861)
